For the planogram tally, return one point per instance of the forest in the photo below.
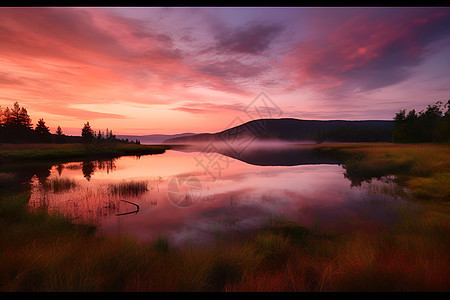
(430, 125)
(16, 127)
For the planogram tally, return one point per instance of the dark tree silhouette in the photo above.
(430, 125)
(88, 168)
(42, 131)
(59, 135)
(87, 133)
(16, 117)
(41, 128)
(59, 131)
(24, 118)
(15, 125)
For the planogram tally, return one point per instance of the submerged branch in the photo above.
(130, 212)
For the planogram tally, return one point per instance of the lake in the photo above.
(193, 195)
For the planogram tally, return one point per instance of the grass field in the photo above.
(14, 152)
(42, 252)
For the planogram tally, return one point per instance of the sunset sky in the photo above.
(148, 70)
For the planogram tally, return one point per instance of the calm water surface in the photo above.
(194, 196)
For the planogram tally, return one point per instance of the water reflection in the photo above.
(89, 167)
(172, 194)
(265, 153)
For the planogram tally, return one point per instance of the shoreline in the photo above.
(27, 152)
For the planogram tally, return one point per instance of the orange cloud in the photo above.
(54, 59)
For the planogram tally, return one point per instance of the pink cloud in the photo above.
(208, 108)
(74, 52)
(365, 52)
(74, 62)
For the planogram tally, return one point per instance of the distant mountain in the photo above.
(288, 129)
(153, 138)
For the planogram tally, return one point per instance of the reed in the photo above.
(129, 188)
(60, 185)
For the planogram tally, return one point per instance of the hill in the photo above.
(293, 130)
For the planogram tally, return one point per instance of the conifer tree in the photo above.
(87, 133)
(59, 131)
(41, 128)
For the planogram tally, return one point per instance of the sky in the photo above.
(168, 70)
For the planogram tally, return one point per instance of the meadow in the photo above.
(47, 252)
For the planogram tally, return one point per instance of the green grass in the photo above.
(74, 151)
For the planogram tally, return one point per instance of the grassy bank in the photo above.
(10, 152)
(423, 168)
(42, 252)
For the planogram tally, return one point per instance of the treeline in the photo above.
(16, 127)
(430, 125)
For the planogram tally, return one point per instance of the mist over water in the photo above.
(192, 195)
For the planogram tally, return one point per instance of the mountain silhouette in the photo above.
(293, 130)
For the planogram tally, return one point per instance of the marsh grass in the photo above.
(46, 252)
(423, 168)
(60, 185)
(129, 188)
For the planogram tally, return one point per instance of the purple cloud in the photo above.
(253, 39)
(365, 53)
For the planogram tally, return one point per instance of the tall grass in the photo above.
(48, 253)
(43, 252)
(129, 188)
(60, 185)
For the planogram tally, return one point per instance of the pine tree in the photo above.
(14, 115)
(41, 128)
(24, 118)
(59, 131)
(87, 133)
